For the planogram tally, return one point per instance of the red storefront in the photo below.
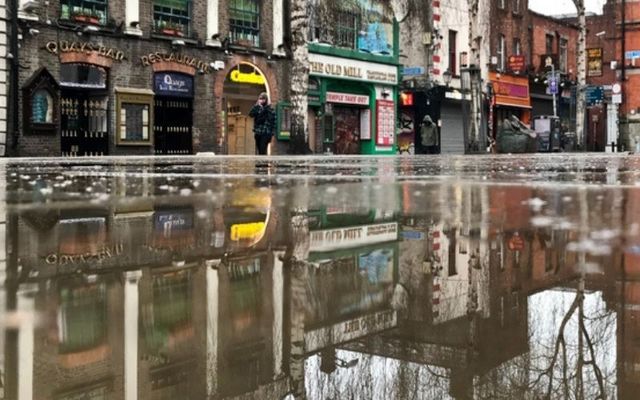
(510, 97)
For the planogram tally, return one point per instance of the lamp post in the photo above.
(552, 80)
(446, 77)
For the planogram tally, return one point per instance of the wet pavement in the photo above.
(320, 278)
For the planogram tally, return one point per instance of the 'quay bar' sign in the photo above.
(65, 46)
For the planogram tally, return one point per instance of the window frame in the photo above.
(256, 41)
(92, 5)
(453, 52)
(563, 54)
(175, 20)
(515, 7)
(41, 80)
(548, 43)
(139, 97)
(501, 52)
(517, 47)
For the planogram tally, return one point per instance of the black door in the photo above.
(84, 129)
(173, 126)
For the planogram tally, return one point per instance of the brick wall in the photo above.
(560, 30)
(513, 24)
(4, 81)
(130, 72)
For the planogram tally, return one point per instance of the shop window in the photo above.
(134, 116)
(83, 76)
(41, 103)
(84, 11)
(244, 22)
(172, 17)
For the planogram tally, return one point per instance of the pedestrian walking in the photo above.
(264, 123)
(429, 135)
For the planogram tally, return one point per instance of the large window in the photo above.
(453, 35)
(517, 48)
(563, 55)
(548, 44)
(172, 17)
(346, 28)
(244, 22)
(500, 52)
(85, 11)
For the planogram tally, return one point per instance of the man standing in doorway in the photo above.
(264, 123)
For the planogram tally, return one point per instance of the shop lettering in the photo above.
(153, 58)
(65, 46)
(74, 259)
(336, 70)
(368, 323)
(252, 78)
(332, 239)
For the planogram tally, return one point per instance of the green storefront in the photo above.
(352, 102)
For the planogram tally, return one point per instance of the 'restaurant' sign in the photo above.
(193, 62)
(345, 238)
(172, 84)
(345, 98)
(335, 67)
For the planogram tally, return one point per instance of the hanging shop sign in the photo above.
(594, 62)
(386, 122)
(517, 63)
(252, 78)
(193, 62)
(335, 67)
(345, 98)
(64, 46)
(345, 238)
(172, 84)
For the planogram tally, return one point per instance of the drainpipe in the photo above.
(623, 72)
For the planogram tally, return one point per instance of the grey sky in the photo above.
(553, 7)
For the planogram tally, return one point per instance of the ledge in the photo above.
(185, 39)
(133, 31)
(352, 54)
(213, 43)
(28, 16)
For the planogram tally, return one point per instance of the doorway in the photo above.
(173, 113)
(84, 111)
(242, 86)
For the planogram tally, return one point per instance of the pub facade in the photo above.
(127, 77)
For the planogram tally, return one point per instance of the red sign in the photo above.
(511, 89)
(517, 63)
(516, 243)
(386, 122)
(406, 98)
(345, 98)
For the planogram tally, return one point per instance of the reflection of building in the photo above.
(166, 78)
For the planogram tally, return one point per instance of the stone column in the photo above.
(278, 28)
(132, 18)
(278, 313)
(131, 311)
(213, 27)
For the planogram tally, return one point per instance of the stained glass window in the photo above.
(42, 107)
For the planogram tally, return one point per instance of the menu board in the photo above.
(386, 122)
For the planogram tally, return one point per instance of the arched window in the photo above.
(40, 100)
(42, 107)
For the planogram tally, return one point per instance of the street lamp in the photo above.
(446, 76)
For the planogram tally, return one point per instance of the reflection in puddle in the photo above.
(153, 285)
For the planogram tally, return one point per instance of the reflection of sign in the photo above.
(344, 238)
(594, 62)
(349, 330)
(249, 231)
(84, 47)
(323, 65)
(171, 84)
(252, 78)
(89, 257)
(169, 221)
(516, 243)
(344, 98)
(516, 63)
(386, 122)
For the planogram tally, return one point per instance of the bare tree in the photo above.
(299, 76)
(582, 72)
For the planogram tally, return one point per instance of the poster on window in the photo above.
(365, 124)
(386, 122)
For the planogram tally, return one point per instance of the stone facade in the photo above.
(42, 27)
(4, 75)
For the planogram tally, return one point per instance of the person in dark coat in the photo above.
(264, 123)
(429, 135)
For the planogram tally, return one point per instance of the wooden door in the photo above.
(240, 135)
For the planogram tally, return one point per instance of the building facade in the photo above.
(132, 77)
(353, 67)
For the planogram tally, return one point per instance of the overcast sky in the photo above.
(552, 7)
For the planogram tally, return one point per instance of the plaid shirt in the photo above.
(264, 120)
